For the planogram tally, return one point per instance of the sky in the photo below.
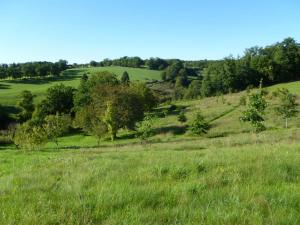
(84, 30)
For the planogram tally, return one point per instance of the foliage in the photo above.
(194, 90)
(29, 136)
(121, 107)
(255, 111)
(59, 99)
(135, 62)
(287, 105)
(182, 117)
(156, 64)
(26, 105)
(274, 64)
(145, 128)
(114, 105)
(32, 69)
(125, 78)
(56, 125)
(199, 125)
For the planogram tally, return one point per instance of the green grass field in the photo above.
(229, 176)
(10, 89)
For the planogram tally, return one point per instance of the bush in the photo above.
(55, 126)
(144, 128)
(200, 125)
(181, 117)
(30, 137)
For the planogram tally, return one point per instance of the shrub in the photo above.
(200, 125)
(181, 117)
(145, 128)
(55, 126)
(30, 137)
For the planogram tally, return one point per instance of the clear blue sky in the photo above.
(84, 30)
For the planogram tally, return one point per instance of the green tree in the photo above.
(255, 111)
(117, 106)
(199, 126)
(145, 128)
(287, 106)
(55, 126)
(125, 78)
(194, 90)
(59, 99)
(28, 136)
(93, 63)
(26, 105)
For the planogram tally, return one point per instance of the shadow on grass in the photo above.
(10, 109)
(4, 86)
(171, 129)
(168, 111)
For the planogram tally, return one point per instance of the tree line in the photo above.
(32, 69)
(153, 63)
(273, 64)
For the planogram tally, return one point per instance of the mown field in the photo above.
(229, 176)
(10, 89)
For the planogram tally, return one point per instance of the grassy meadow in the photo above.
(229, 176)
(10, 89)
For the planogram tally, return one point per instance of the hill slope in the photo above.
(229, 176)
(11, 89)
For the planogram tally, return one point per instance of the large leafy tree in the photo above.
(59, 99)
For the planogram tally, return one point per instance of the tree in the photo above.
(26, 105)
(199, 126)
(194, 90)
(181, 117)
(146, 95)
(145, 128)
(123, 108)
(29, 136)
(117, 106)
(55, 126)
(59, 99)
(287, 105)
(125, 78)
(93, 63)
(255, 111)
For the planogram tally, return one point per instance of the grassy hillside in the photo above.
(159, 184)
(229, 176)
(10, 89)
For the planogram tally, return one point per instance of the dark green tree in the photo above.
(26, 106)
(125, 78)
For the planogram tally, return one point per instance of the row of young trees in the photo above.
(100, 106)
(32, 69)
